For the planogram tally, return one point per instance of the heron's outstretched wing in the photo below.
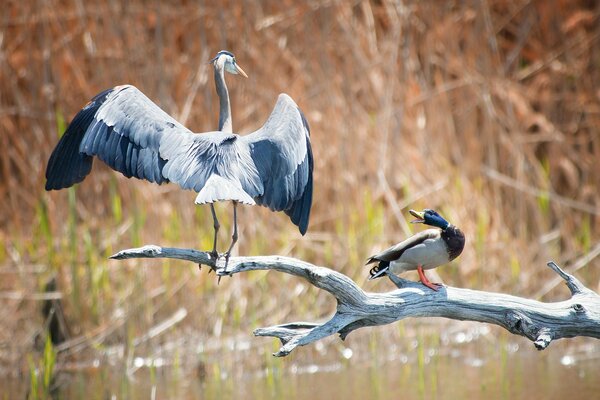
(134, 136)
(123, 128)
(282, 155)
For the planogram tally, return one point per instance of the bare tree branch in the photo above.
(538, 321)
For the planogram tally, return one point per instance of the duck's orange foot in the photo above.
(425, 281)
(432, 286)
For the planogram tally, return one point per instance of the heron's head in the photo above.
(429, 217)
(226, 61)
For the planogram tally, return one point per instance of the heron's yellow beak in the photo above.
(240, 71)
(420, 217)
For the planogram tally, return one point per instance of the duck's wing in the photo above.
(395, 252)
(282, 154)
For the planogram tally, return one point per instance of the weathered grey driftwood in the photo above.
(538, 321)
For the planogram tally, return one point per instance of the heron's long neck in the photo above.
(224, 107)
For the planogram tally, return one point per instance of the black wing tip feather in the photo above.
(67, 166)
(306, 205)
(299, 213)
(308, 191)
(63, 182)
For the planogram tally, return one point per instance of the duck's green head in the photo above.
(429, 217)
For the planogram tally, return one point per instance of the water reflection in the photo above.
(473, 362)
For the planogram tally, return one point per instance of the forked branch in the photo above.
(538, 321)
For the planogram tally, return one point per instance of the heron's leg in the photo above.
(234, 237)
(216, 225)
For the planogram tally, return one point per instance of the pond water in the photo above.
(467, 361)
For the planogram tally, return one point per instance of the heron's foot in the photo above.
(214, 255)
(227, 254)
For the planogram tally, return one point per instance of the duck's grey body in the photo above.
(426, 249)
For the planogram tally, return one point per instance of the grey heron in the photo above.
(271, 166)
(425, 250)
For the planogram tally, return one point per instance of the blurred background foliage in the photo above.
(487, 111)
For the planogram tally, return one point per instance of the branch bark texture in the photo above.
(538, 321)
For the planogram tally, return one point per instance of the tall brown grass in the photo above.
(488, 111)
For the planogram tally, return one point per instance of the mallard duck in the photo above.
(425, 250)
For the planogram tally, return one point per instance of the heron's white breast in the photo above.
(218, 188)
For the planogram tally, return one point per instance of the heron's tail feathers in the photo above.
(379, 270)
(67, 165)
(218, 188)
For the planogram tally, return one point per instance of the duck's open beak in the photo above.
(240, 71)
(420, 217)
